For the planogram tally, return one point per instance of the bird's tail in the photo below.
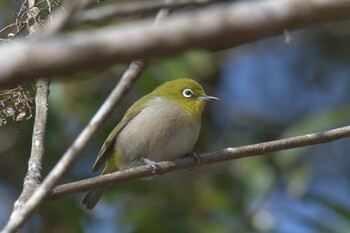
(91, 198)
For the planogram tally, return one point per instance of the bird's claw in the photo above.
(153, 164)
(196, 157)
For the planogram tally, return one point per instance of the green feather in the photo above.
(108, 145)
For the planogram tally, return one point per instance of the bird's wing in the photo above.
(108, 145)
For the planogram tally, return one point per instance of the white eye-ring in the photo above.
(187, 93)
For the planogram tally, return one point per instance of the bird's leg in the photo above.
(151, 163)
(196, 156)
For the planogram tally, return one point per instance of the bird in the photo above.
(162, 125)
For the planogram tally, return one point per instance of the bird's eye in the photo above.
(187, 93)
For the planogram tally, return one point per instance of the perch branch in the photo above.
(205, 158)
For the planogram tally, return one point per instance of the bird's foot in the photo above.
(196, 157)
(151, 163)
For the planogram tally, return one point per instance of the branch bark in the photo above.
(133, 8)
(33, 177)
(205, 158)
(214, 28)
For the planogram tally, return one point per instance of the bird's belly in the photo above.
(171, 147)
(158, 134)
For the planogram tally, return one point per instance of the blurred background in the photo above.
(267, 91)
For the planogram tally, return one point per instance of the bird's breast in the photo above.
(161, 131)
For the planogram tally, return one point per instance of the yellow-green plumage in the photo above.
(162, 125)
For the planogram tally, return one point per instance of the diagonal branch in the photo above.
(205, 158)
(217, 27)
(74, 151)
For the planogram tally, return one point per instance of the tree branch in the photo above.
(133, 8)
(73, 151)
(31, 3)
(71, 155)
(33, 177)
(205, 158)
(217, 27)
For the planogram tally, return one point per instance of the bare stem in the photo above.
(205, 158)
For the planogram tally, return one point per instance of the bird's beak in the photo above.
(207, 97)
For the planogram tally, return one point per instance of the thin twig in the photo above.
(8, 27)
(21, 13)
(205, 158)
(63, 18)
(214, 28)
(49, 6)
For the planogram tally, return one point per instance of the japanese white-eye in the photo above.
(162, 125)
